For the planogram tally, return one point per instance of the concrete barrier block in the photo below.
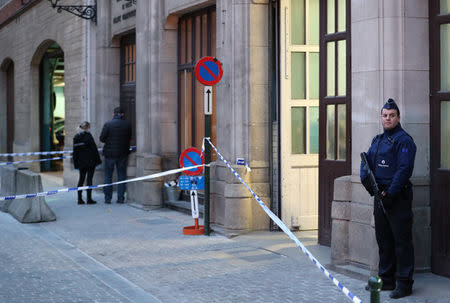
(8, 185)
(31, 210)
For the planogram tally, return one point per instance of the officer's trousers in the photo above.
(393, 232)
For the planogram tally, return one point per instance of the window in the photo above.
(304, 72)
(336, 67)
(128, 60)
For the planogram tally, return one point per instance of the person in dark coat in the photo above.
(85, 159)
(391, 158)
(116, 134)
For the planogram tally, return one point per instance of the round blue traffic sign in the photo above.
(192, 157)
(208, 70)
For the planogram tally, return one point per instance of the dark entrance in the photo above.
(440, 135)
(334, 107)
(128, 80)
(52, 104)
(10, 107)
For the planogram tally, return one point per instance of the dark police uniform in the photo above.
(391, 158)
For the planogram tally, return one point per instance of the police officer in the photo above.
(391, 158)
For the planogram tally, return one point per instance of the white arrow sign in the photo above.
(208, 100)
(194, 204)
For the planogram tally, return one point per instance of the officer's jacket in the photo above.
(393, 153)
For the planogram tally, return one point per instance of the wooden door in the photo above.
(440, 135)
(335, 106)
(299, 121)
(128, 81)
(196, 39)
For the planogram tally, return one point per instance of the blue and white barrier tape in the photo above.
(287, 231)
(47, 153)
(37, 153)
(65, 190)
(37, 160)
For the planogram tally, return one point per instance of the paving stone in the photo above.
(147, 250)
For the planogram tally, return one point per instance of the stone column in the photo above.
(389, 59)
(148, 103)
(243, 114)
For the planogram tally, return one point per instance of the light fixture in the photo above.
(88, 12)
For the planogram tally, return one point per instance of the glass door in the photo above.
(299, 121)
(335, 111)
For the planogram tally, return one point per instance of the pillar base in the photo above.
(148, 192)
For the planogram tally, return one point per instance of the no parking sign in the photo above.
(208, 70)
(192, 157)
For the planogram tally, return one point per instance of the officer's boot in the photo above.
(80, 197)
(388, 283)
(89, 197)
(402, 289)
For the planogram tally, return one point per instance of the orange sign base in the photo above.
(194, 230)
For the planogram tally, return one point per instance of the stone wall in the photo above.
(242, 103)
(25, 41)
(353, 228)
(389, 59)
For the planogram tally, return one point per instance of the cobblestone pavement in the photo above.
(31, 270)
(145, 253)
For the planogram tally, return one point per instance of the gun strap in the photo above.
(376, 156)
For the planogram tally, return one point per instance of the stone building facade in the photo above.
(299, 100)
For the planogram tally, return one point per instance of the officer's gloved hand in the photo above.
(367, 186)
(388, 201)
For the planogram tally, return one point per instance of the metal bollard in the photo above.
(375, 284)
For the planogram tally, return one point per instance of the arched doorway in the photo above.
(52, 104)
(8, 68)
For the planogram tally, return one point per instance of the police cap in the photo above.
(390, 104)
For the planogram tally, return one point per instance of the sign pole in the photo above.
(208, 71)
(207, 177)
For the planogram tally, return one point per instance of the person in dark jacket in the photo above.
(391, 158)
(85, 159)
(116, 134)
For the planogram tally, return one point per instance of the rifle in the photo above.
(372, 183)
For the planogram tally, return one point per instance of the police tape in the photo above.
(36, 160)
(69, 189)
(47, 153)
(133, 148)
(287, 231)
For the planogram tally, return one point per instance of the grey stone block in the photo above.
(340, 210)
(422, 247)
(361, 213)
(421, 195)
(8, 185)
(30, 210)
(339, 243)
(363, 248)
(147, 193)
(343, 188)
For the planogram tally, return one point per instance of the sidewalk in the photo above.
(117, 253)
